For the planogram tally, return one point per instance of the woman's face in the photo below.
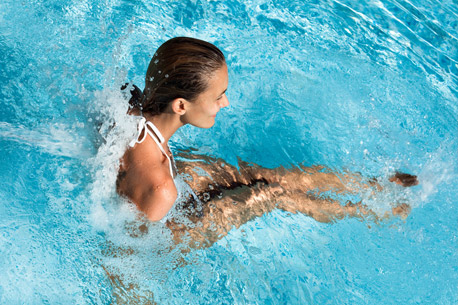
(202, 112)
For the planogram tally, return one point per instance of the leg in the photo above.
(231, 197)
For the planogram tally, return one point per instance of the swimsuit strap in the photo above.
(156, 135)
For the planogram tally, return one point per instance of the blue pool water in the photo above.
(369, 87)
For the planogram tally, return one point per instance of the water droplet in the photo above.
(206, 196)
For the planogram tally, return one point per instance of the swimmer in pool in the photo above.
(186, 83)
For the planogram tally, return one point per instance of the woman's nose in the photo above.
(224, 102)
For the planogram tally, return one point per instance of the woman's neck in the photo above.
(167, 123)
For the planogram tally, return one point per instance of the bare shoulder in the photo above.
(144, 178)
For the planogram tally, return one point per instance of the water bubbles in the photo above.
(156, 61)
(206, 196)
(166, 76)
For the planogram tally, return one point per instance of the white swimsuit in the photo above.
(156, 135)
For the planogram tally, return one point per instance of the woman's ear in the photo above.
(179, 106)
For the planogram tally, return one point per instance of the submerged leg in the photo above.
(231, 197)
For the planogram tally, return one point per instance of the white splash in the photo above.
(58, 139)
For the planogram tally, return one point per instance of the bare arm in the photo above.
(145, 179)
(156, 200)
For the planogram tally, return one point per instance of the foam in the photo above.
(59, 139)
(439, 170)
(136, 251)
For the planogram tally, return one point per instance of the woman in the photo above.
(186, 83)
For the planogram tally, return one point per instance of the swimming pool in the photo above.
(363, 86)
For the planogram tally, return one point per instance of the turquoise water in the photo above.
(363, 86)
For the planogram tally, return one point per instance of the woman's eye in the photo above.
(219, 97)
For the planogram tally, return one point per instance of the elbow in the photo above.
(157, 213)
(158, 203)
(153, 216)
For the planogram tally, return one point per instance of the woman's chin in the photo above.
(205, 125)
(210, 125)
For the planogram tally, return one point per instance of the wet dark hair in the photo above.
(180, 68)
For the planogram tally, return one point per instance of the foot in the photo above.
(404, 179)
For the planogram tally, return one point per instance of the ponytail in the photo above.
(136, 95)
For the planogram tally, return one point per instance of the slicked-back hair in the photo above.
(180, 68)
